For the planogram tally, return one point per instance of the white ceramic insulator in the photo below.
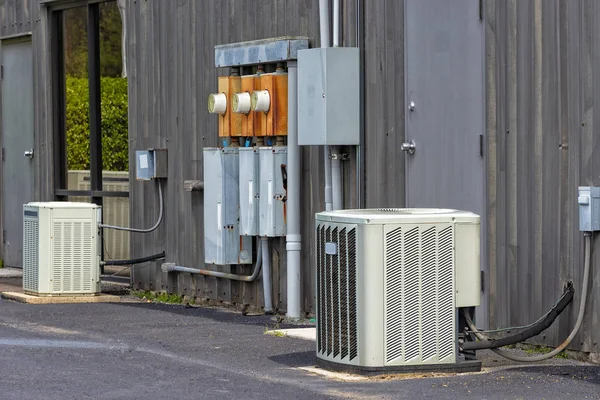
(261, 100)
(241, 103)
(217, 103)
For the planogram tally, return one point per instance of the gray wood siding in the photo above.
(543, 93)
(171, 71)
(18, 17)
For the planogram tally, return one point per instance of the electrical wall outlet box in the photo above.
(589, 208)
(273, 195)
(150, 164)
(328, 96)
(223, 244)
(249, 190)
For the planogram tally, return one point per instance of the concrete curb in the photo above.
(297, 333)
(29, 299)
(11, 273)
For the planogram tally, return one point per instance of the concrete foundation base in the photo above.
(29, 299)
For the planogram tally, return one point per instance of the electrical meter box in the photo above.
(328, 96)
(223, 244)
(249, 190)
(150, 164)
(589, 208)
(273, 185)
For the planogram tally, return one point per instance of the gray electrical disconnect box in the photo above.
(589, 208)
(223, 244)
(328, 96)
(249, 190)
(150, 164)
(273, 183)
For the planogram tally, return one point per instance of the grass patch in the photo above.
(273, 331)
(540, 349)
(158, 297)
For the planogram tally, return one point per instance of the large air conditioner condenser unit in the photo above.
(390, 283)
(61, 249)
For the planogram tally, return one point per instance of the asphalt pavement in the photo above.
(137, 350)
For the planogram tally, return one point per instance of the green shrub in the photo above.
(115, 156)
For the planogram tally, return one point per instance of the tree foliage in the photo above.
(115, 155)
(76, 40)
(113, 90)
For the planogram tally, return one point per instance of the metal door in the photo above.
(445, 97)
(17, 144)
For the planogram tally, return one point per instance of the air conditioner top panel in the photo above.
(62, 204)
(398, 216)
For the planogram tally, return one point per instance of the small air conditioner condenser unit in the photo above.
(61, 249)
(389, 286)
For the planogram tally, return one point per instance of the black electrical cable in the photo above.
(135, 260)
(544, 324)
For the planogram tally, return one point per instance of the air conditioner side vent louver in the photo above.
(352, 297)
(419, 295)
(336, 292)
(30, 253)
(320, 287)
(344, 339)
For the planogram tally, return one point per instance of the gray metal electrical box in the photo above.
(150, 164)
(273, 174)
(328, 96)
(589, 208)
(249, 190)
(223, 244)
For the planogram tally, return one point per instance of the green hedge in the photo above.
(115, 156)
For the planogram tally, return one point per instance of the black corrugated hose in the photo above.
(535, 330)
(135, 260)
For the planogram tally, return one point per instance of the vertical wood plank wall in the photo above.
(171, 61)
(543, 91)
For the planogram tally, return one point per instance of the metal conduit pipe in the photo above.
(171, 267)
(327, 173)
(336, 23)
(325, 42)
(360, 154)
(136, 230)
(336, 178)
(266, 276)
(335, 160)
(293, 238)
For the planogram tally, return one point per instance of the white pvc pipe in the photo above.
(293, 238)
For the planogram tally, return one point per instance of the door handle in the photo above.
(408, 147)
(29, 153)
